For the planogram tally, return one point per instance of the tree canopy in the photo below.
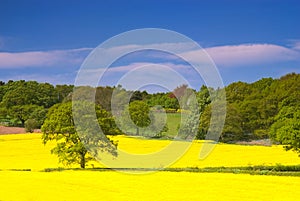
(71, 147)
(23, 100)
(255, 110)
(286, 129)
(138, 113)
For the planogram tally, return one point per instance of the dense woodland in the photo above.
(263, 109)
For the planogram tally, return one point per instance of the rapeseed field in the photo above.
(25, 151)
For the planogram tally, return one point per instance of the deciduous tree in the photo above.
(286, 129)
(139, 113)
(73, 143)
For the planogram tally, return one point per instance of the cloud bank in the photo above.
(235, 55)
(247, 54)
(66, 63)
(58, 58)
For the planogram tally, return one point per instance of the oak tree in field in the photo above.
(74, 141)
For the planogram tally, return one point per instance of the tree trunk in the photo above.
(22, 122)
(82, 160)
(137, 131)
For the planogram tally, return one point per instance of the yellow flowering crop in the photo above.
(173, 186)
(27, 152)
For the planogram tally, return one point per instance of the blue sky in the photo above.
(47, 41)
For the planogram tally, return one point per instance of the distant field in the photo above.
(27, 151)
(21, 152)
(173, 122)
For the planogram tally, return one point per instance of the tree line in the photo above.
(27, 102)
(267, 108)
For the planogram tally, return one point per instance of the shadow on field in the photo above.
(278, 170)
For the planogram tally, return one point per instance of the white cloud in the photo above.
(137, 73)
(176, 47)
(245, 54)
(296, 45)
(171, 48)
(132, 66)
(224, 56)
(62, 78)
(42, 58)
(235, 55)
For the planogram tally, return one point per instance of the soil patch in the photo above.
(263, 142)
(14, 130)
